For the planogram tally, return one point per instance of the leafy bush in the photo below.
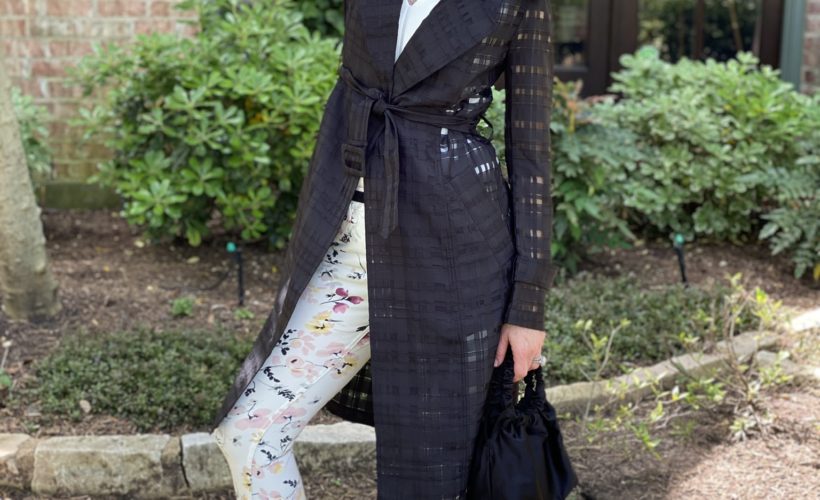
(650, 324)
(586, 161)
(221, 125)
(794, 225)
(324, 16)
(34, 133)
(586, 156)
(705, 129)
(157, 380)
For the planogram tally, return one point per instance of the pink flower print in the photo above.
(336, 364)
(289, 413)
(311, 371)
(257, 472)
(297, 365)
(276, 466)
(332, 349)
(341, 307)
(264, 494)
(303, 344)
(258, 419)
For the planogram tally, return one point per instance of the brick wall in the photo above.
(811, 48)
(41, 38)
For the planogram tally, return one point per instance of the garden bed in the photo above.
(111, 281)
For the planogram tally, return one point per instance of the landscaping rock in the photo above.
(161, 466)
(575, 398)
(806, 321)
(15, 459)
(139, 466)
(204, 465)
(337, 448)
(789, 367)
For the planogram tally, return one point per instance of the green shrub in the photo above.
(34, 134)
(706, 128)
(794, 226)
(219, 126)
(651, 324)
(182, 306)
(157, 380)
(585, 157)
(324, 16)
(586, 160)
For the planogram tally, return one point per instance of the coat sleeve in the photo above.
(528, 75)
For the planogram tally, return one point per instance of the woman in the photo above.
(443, 260)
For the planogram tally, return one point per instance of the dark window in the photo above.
(590, 35)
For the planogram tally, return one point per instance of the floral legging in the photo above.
(325, 343)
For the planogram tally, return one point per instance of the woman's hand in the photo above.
(526, 346)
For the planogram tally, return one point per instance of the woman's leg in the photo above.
(324, 344)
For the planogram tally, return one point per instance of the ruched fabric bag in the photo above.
(519, 451)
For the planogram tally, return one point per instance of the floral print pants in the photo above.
(325, 343)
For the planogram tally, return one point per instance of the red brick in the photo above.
(67, 48)
(48, 67)
(34, 87)
(13, 27)
(18, 67)
(23, 47)
(155, 26)
(122, 8)
(14, 7)
(162, 8)
(59, 89)
(69, 8)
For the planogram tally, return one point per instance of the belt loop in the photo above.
(354, 149)
(353, 159)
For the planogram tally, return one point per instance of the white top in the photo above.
(412, 14)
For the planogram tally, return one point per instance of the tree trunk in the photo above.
(27, 287)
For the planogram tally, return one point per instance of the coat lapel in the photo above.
(450, 29)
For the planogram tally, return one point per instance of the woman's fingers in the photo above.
(526, 346)
(522, 366)
(502, 348)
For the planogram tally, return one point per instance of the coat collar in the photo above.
(450, 29)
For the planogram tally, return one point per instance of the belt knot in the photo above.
(373, 100)
(379, 102)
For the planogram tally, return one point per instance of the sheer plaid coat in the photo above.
(454, 248)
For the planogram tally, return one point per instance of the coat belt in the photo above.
(365, 101)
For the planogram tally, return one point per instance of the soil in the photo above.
(111, 280)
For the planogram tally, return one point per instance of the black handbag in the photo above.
(519, 451)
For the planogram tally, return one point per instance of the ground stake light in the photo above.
(679, 240)
(237, 255)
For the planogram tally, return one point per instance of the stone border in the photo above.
(165, 466)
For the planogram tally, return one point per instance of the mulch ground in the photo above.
(110, 280)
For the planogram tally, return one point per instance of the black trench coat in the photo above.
(454, 248)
